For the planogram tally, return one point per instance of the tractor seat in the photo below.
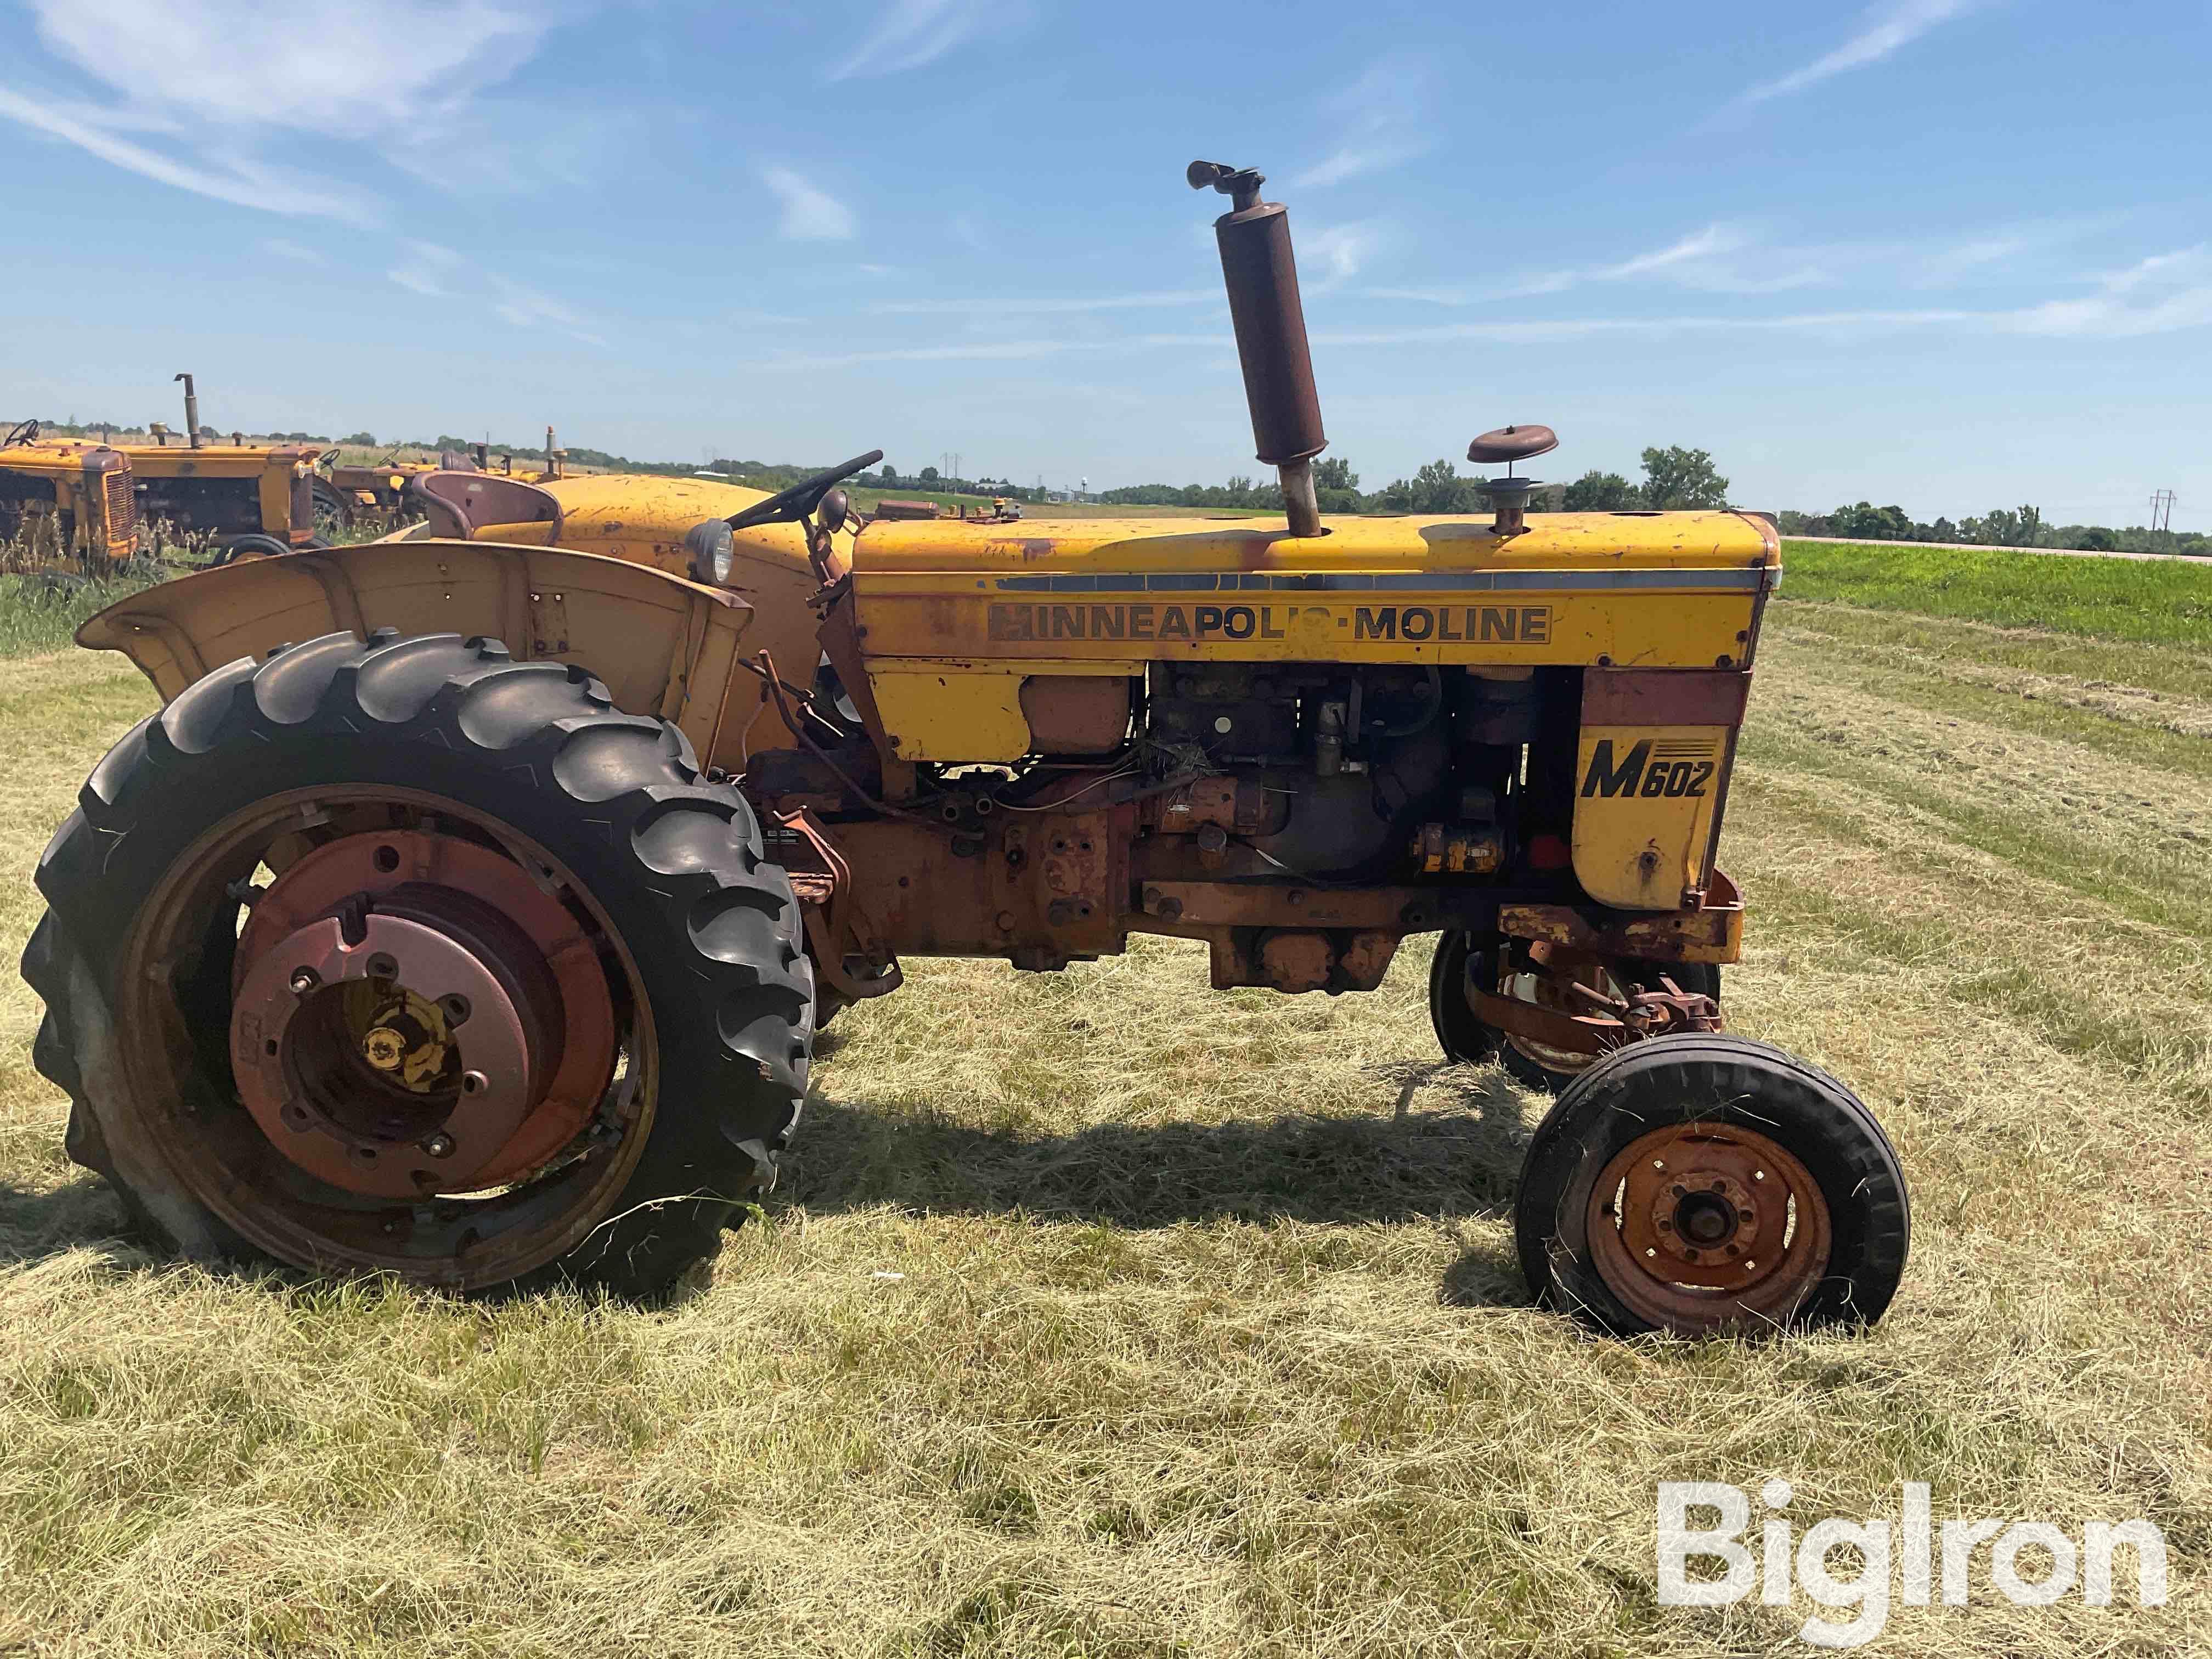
(460, 504)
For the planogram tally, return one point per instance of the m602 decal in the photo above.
(1651, 770)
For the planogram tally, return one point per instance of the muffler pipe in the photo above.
(191, 412)
(1262, 278)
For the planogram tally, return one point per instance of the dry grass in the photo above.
(1100, 1314)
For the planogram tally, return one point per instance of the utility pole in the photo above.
(2162, 509)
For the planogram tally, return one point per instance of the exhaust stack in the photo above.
(191, 412)
(1262, 276)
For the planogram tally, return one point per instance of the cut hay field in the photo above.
(1099, 1314)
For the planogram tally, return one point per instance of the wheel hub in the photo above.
(411, 1014)
(1701, 1225)
(387, 1112)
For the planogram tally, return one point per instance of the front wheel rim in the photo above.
(1702, 1225)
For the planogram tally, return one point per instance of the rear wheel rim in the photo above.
(1702, 1225)
(480, 1211)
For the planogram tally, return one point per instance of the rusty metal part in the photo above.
(1300, 959)
(1578, 1006)
(1295, 961)
(848, 948)
(1703, 1224)
(1365, 959)
(481, 903)
(1508, 503)
(1711, 933)
(1443, 849)
(1242, 806)
(191, 412)
(460, 504)
(1508, 444)
(1076, 714)
(1200, 904)
(1664, 697)
(312, 1082)
(1261, 273)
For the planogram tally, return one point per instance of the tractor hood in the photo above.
(1572, 588)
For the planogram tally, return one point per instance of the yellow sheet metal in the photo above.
(1658, 590)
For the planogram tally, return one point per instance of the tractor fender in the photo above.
(663, 646)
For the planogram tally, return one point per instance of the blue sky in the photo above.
(1949, 253)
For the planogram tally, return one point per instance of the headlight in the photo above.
(708, 547)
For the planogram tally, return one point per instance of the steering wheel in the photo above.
(788, 506)
(22, 432)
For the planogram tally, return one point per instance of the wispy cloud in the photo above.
(283, 247)
(440, 273)
(973, 351)
(913, 33)
(810, 214)
(426, 269)
(1336, 253)
(525, 307)
(1737, 259)
(1882, 31)
(2160, 267)
(221, 86)
(1383, 115)
(1678, 260)
(240, 181)
(980, 307)
(2164, 294)
(2155, 296)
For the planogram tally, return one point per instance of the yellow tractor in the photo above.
(469, 909)
(73, 503)
(246, 500)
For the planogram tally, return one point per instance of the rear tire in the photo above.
(333, 513)
(661, 874)
(253, 544)
(1706, 1183)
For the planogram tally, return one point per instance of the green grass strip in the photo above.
(2154, 601)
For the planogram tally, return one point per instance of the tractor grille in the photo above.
(122, 499)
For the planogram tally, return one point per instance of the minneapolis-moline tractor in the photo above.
(76, 504)
(245, 501)
(468, 911)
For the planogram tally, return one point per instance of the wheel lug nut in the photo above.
(305, 980)
(439, 1146)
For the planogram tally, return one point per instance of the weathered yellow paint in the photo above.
(80, 500)
(661, 646)
(271, 472)
(940, 715)
(642, 518)
(1624, 540)
(1645, 798)
(955, 710)
(1656, 589)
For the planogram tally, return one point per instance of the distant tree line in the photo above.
(1675, 476)
(2018, 526)
(1672, 478)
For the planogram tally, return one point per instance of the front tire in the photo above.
(1705, 1183)
(617, 1083)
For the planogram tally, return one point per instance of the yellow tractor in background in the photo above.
(241, 500)
(73, 504)
(468, 910)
